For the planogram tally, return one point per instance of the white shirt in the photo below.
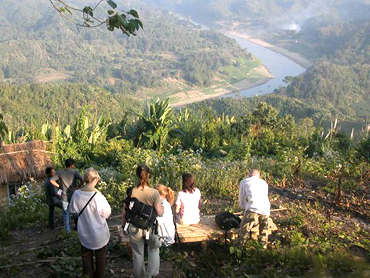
(189, 206)
(253, 195)
(166, 226)
(92, 226)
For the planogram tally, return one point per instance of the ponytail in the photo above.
(142, 173)
(170, 196)
(167, 192)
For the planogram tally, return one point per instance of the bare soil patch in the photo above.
(52, 77)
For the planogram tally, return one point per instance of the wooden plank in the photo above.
(205, 230)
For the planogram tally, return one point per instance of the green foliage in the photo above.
(153, 126)
(364, 148)
(253, 261)
(323, 86)
(127, 22)
(3, 128)
(27, 208)
(55, 104)
(167, 49)
(207, 132)
(219, 150)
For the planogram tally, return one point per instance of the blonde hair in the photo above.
(90, 175)
(167, 192)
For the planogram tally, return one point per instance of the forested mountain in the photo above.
(271, 14)
(45, 48)
(37, 45)
(343, 90)
(39, 103)
(340, 79)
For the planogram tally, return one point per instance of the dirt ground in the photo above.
(52, 77)
(32, 252)
(40, 252)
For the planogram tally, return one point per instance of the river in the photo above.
(279, 66)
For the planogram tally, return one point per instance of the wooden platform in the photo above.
(205, 230)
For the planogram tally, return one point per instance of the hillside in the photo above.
(342, 90)
(337, 85)
(49, 253)
(317, 177)
(35, 104)
(168, 56)
(318, 174)
(271, 15)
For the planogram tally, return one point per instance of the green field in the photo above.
(178, 91)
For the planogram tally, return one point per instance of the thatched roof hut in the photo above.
(20, 162)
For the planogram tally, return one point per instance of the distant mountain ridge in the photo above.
(37, 45)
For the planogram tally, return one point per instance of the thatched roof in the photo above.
(20, 162)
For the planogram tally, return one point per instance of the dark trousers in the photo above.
(88, 261)
(56, 203)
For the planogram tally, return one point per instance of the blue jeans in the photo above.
(66, 217)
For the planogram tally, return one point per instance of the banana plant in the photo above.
(153, 126)
(3, 128)
(98, 131)
(46, 131)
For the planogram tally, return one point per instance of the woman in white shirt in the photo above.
(93, 210)
(188, 201)
(166, 229)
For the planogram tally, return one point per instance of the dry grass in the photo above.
(20, 162)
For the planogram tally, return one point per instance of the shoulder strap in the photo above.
(62, 182)
(87, 203)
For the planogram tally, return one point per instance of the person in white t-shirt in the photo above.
(253, 198)
(92, 226)
(188, 201)
(166, 227)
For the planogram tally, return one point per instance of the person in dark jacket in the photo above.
(53, 198)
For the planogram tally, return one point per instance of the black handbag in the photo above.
(227, 221)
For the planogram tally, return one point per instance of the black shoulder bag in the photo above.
(139, 214)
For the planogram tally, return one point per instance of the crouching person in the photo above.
(92, 209)
(253, 198)
(138, 226)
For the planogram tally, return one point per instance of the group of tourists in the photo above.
(77, 195)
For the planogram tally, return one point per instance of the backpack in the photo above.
(227, 221)
(139, 214)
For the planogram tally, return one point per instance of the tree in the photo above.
(265, 114)
(127, 22)
(3, 128)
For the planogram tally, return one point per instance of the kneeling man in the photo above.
(253, 198)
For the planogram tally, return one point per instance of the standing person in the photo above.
(53, 196)
(166, 227)
(149, 196)
(253, 198)
(69, 179)
(188, 201)
(93, 210)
